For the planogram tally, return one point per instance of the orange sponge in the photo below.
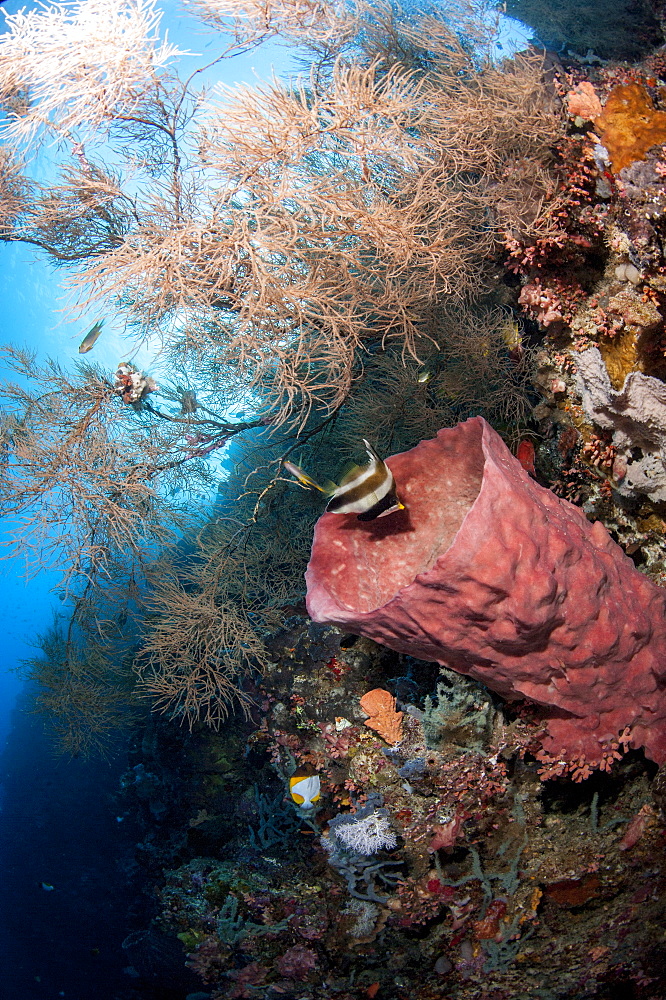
(629, 125)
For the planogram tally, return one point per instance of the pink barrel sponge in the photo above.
(494, 576)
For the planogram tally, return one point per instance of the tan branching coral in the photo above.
(197, 649)
(299, 249)
(250, 22)
(472, 361)
(14, 189)
(72, 459)
(83, 688)
(383, 718)
(293, 226)
(208, 614)
(100, 54)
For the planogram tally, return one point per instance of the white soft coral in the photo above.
(367, 834)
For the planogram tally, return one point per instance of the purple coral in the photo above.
(297, 962)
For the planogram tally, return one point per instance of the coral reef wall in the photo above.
(594, 25)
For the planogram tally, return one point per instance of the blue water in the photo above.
(59, 822)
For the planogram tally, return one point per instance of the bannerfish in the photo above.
(368, 491)
(305, 787)
(91, 337)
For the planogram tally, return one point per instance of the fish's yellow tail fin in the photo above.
(303, 477)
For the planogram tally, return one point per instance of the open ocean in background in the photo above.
(58, 821)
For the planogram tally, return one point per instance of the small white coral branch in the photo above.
(367, 835)
(250, 20)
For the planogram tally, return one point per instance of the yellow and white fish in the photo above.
(305, 787)
(512, 336)
(427, 371)
(368, 490)
(91, 337)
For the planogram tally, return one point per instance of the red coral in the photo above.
(600, 454)
(571, 223)
(581, 767)
(445, 835)
(550, 304)
(526, 455)
(337, 743)
(337, 667)
(644, 818)
(489, 926)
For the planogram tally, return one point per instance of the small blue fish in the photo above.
(91, 337)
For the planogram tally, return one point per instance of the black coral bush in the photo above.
(297, 249)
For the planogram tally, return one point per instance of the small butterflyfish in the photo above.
(368, 491)
(427, 371)
(91, 337)
(305, 787)
(513, 338)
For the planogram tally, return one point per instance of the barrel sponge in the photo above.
(490, 574)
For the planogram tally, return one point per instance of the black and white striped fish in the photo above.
(368, 491)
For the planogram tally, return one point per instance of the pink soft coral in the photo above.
(542, 304)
